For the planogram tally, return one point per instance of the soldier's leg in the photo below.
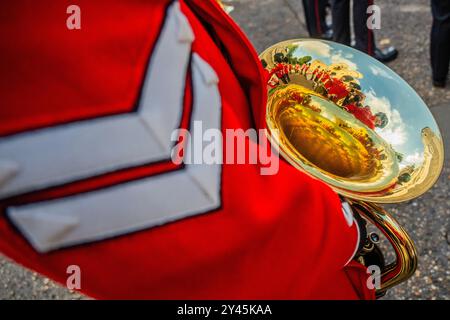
(440, 40)
(364, 37)
(314, 18)
(341, 21)
(322, 7)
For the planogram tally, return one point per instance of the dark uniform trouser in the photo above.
(364, 37)
(315, 12)
(440, 39)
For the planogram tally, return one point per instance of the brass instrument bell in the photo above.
(342, 117)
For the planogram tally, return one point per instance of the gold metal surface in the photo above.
(346, 119)
(406, 262)
(374, 137)
(328, 142)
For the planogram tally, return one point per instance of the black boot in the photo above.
(439, 83)
(386, 55)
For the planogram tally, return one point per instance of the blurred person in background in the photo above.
(364, 37)
(440, 41)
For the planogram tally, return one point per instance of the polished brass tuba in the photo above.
(343, 117)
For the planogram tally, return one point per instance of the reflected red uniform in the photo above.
(363, 114)
(280, 236)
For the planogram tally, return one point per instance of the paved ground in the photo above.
(427, 218)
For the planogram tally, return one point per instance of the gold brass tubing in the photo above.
(405, 250)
